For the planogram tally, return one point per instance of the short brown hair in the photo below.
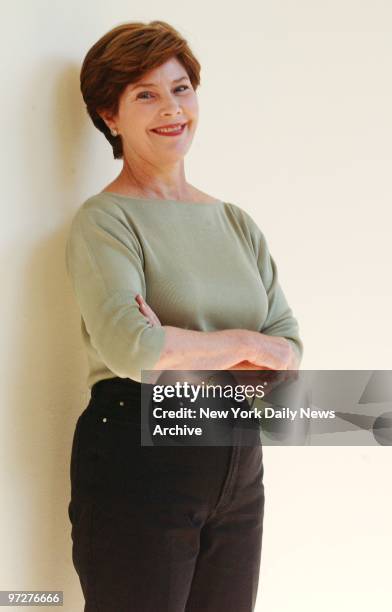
(122, 56)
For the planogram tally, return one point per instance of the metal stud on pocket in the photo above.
(104, 419)
(121, 403)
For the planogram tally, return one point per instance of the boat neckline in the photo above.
(186, 202)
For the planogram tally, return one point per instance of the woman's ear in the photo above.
(107, 117)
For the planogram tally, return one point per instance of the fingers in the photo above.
(141, 304)
(139, 299)
(147, 311)
(143, 307)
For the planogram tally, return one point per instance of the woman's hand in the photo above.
(272, 353)
(248, 372)
(147, 311)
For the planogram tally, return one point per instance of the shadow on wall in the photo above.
(49, 389)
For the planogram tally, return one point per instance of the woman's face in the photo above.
(167, 97)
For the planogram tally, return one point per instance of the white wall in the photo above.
(295, 118)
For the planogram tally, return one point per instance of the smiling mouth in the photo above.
(170, 131)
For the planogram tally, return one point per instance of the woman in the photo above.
(167, 277)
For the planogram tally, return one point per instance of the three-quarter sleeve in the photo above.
(280, 320)
(104, 261)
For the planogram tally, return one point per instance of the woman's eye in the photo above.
(148, 92)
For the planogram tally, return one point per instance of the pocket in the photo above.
(121, 462)
(85, 452)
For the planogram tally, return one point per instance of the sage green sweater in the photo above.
(199, 266)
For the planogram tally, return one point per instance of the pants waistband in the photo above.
(113, 388)
(130, 391)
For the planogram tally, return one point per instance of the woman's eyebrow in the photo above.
(154, 84)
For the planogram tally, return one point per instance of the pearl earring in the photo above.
(114, 132)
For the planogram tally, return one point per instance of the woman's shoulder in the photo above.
(96, 206)
(94, 212)
(244, 217)
(252, 232)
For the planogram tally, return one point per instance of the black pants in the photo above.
(161, 528)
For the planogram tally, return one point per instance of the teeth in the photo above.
(173, 129)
